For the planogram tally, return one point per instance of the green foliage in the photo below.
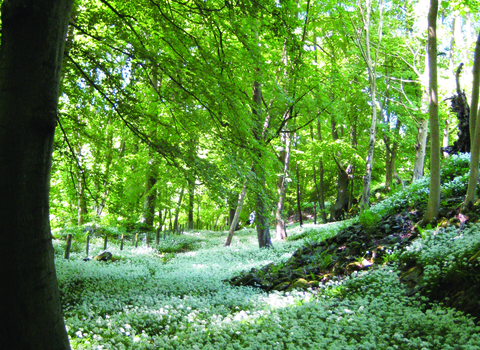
(455, 166)
(413, 196)
(179, 244)
(445, 252)
(369, 219)
(145, 302)
(77, 232)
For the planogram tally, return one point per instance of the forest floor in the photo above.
(162, 299)
(361, 247)
(378, 281)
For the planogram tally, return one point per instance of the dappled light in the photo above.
(232, 175)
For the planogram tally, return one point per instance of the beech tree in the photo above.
(474, 123)
(32, 48)
(434, 195)
(362, 39)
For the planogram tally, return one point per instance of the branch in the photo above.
(82, 171)
(142, 136)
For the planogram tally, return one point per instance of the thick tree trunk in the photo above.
(434, 196)
(338, 209)
(150, 190)
(263, 227)
(259, 124)
(32, 44)
(236, 217)
(150, 196)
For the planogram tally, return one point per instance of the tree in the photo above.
(434, 195)
(362, 39)
(32, 46)
(474, 122)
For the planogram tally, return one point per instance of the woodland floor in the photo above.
(359, 248)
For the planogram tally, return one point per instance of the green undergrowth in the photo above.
(141, 302)
(174, 295)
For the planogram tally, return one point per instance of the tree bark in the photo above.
(259, 124)
(263, 227)
(321, 190)
(32, 44)
(420, 150)
(191, 200)
(422, 135)
(82, 202)
(284, 159)
(177, 210)
(391, 156)
(150, 196)
(474, 118)
(338, 209)
(236, 217)
(446, 139)
(434, 196)
(372, 71)
(299, 206)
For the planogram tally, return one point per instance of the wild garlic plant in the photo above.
(144, 302)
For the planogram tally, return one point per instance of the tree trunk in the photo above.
(434, 196)
(191, 201)
(177, 210)
(32, 45)
(446, 138)
(299, 206)
(236, 217)
(363, 42)
(150, 197)
(391, 156)
(475, 120)
(259, 123)
(422, 134)
(420, 150)
(82, 203)
(321, 175)
(284, 159)
(263, 227)
(340, 207)
(160, 218)
(460, 107)
(315, 184)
